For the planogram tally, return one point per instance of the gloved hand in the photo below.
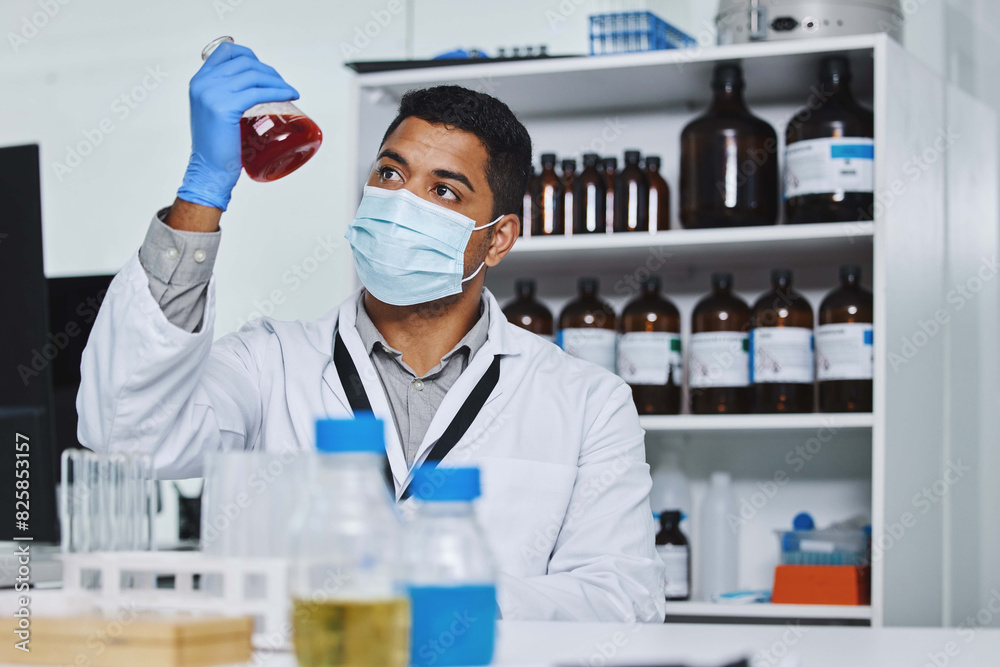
(229, 82)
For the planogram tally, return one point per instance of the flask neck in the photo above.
(728, 99)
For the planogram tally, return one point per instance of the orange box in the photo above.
(822, 584)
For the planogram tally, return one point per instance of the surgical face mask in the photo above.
(408, 250)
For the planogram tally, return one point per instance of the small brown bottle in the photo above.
(719, 352)
(569, 187)
(547, 217)
(729, 162)
(675, 552)
(844, 341)
(610, 167)
(588, 328)
(589, 198)
(829, 154)
(649, 351)
(632, 197)
(528, 313)
(526, 205)
(659, 196)
(781, 349)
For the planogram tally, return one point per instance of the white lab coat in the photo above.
(565, 483)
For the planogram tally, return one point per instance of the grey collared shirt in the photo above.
(179, 266)
(415, 399)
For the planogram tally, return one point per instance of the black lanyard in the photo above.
(358, 398)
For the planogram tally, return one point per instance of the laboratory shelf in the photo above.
(733, 247)
(756, 423)
(765, 611)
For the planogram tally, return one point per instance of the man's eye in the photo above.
(388, 173)
(445, 192)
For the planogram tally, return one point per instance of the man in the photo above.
(424, 345)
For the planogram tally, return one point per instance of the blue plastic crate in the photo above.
(630, 32)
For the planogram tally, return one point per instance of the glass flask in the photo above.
(844, 346)
(719, 358)
(527, 312)
(588, 328)
(649, 351)
(276, 137)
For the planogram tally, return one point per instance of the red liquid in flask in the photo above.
(275, 145)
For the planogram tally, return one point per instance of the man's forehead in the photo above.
(417, 139)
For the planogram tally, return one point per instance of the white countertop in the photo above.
(527, 644)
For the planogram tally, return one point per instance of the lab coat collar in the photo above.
(499, 342)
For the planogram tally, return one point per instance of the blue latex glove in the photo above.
(229, 82)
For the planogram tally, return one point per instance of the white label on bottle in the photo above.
(594, 345)
(781, 354)
(263, 124)
(844, 352)
(650, 357)
(830, 164)
(675, 557)
(719, 359)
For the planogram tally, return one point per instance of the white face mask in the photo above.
(408, 250)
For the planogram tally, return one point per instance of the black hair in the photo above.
(507, 143)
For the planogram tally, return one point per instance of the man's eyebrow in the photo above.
(455, 176)
(393, 155)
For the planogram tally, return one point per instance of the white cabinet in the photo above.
(929, 258)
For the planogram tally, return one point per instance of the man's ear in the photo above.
(505, 233)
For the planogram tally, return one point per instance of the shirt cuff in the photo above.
(178, 258)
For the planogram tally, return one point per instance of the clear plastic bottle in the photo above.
(670, 487)
(449, 571)
(349, 604)
(718, 539)
(277, 138)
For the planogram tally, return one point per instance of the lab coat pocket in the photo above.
(522, 510)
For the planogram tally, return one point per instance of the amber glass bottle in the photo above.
(844, 346)
(659, 196)
(781, 349)
(589, 203)
(528, 313)
(729, 162)
(526, 205)
(632, 197)
(569, 190)
(829, 153)
(675, 552)
(719, 352)
(649, 352)
(588, 328)
(548, 218)
(610, 167)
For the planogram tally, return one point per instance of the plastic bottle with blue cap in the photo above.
(349, 602)
(450, 572)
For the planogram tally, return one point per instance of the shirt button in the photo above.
(199, 256)
(172, 254)
(418, 384)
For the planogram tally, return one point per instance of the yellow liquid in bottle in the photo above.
(352, 633)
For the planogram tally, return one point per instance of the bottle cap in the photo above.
(779, 276)
(591, 159)
(548, 159)
(632, 157)
(850, 272)
(569, 166)
(653, 161)
(727, 74)
(363, 434)
(670, 516)
(610, 163)
(720, 478)
(722, 280)
(652, 284)
(434, 484)
(587, 284)
(803, 521)
(835, 67)
(524, 286)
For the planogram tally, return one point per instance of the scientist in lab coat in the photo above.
(424, 345)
